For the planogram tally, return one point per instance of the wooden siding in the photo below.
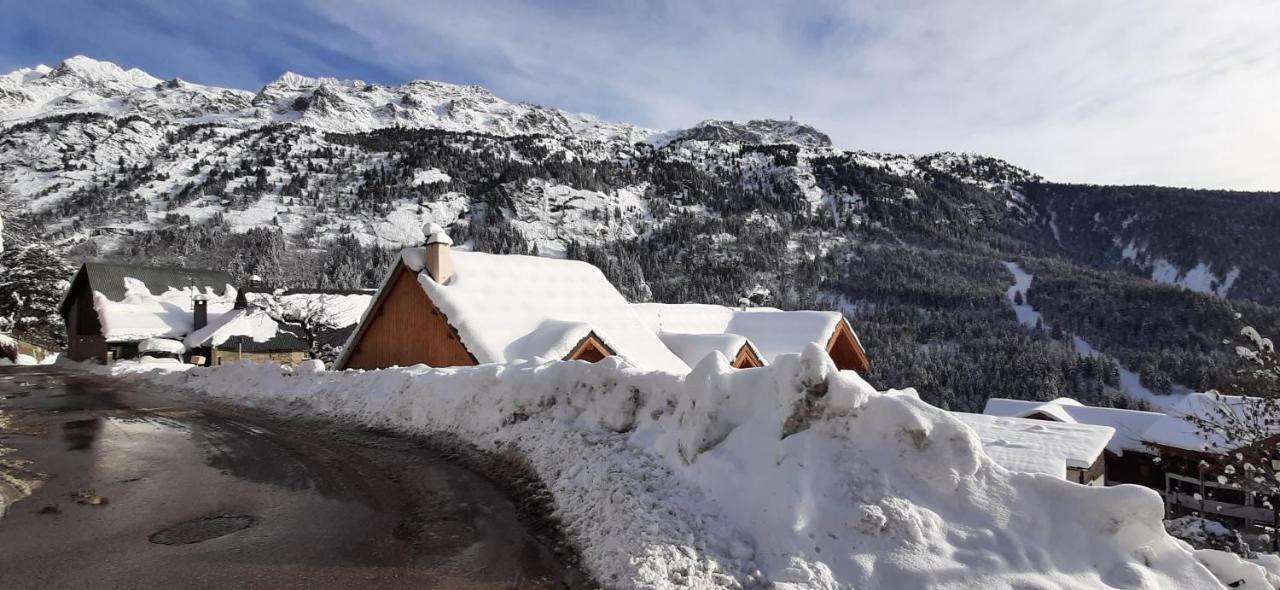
(591, 349)
(405, 328)
(845, 351)
(746, 358)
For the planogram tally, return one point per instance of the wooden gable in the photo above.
(746, 358)
(590, 349)
(845, 350)
(404, 327)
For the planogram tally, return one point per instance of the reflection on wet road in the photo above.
(137, 489)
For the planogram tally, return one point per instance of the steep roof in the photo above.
(109, 279)
(507, 308)
(771, 331)
(1038, 446)
(140, 314)
(1130, 425)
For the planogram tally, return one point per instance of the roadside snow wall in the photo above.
(793, 475)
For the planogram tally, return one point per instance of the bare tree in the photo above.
(1242, 426)
(313, 313)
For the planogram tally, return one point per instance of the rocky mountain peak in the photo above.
(759, 131)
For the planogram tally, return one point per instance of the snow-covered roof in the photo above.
(161, 345)
(1128, 424)
(114, 280)
(139, 314)
(1038, 446)
(782, 332)
(772, 331)
(1174, 430)
(508, 307)
(694, 348)
(254, 325)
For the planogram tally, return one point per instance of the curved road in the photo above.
(148, 489)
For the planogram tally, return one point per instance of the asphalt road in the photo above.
(154, 489)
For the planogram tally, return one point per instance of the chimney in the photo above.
(439, 262)
(199, 312)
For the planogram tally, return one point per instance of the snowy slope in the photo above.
(793, 475)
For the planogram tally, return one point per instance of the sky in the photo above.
(1180, 93)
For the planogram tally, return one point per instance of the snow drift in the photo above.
(795, 475)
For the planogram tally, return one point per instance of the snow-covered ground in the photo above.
(1027, 315)
(795, 475)
(1130, 383)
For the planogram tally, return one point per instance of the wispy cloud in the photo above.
(1142, 91)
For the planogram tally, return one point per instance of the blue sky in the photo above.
(1142, 91)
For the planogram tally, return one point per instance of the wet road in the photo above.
(133, 489)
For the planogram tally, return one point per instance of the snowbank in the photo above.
(794, 474)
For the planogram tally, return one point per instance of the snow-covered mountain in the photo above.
(84, 85)
(85, 124)
(312, 181)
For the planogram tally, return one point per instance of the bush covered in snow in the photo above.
(795, 475)
(1203, 533)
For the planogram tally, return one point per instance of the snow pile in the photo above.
(141, 315)
(507, 308)
(161, 345)
(795, 474)
(1038, 446)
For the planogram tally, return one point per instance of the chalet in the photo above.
(110, 308)
(766, 332)
(1191, 460)
(443, 308)
(1128, 458)
(1070, 451)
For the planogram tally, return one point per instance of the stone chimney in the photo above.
(439, 262)
(199, 312)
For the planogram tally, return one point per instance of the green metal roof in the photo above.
(108, 278)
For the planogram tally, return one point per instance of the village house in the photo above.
(194, 314)
(766, 332)
(110, 308)
(1128, 458)
(1064, 450)
(443, 308)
